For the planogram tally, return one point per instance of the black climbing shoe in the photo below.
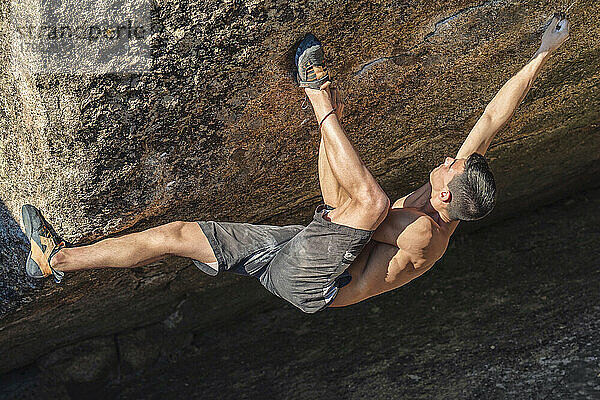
(312, 72)
(44, 244)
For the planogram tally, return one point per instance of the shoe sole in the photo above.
(26, 220)
(309, 41)
(309, 44)
(26, 216)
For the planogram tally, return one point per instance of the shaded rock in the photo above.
(30, 384)
(86, 361)
(14, 284)
(140, 348)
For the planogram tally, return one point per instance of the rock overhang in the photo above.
(217, 131)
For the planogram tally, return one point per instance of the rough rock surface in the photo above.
(519, 320)
(216, 131)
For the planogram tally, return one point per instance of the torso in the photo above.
(406, 245)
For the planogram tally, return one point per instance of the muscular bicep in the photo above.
(398, 271)
(401, 265)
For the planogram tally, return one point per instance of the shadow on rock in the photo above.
(14, 283)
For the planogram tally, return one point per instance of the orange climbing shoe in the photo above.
(44, 244)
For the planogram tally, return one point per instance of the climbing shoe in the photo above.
(312, 72)
(44, 244)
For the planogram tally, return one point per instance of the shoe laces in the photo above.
(45, 231)
(304, 105)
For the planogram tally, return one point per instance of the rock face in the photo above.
(216, 131)
(13, 248)
(509, 312)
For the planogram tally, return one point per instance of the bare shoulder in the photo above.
(414, 233)
(405, 246)
(425, 240)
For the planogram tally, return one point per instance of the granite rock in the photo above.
(216, 131)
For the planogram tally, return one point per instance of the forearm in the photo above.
(506, 101)
(502, 107)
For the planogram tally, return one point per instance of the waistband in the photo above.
(321, 217)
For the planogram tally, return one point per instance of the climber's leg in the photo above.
(184, 239)
(366, 205)
(333, 193)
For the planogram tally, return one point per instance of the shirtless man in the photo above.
(356, 246)
(418, 227)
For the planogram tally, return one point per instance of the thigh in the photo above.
(192, 243)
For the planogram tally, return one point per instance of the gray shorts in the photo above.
(303, 265)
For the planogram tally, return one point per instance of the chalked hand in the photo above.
(556, 33)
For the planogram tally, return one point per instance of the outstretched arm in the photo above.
(505, 103)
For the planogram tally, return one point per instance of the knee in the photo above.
(170, 235)
(375, 202)
(382, 206)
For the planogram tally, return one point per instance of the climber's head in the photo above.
(464, 188)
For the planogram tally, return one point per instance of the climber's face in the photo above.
(443, 174)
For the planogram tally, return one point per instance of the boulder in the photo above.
(215, 130)
(86, 361)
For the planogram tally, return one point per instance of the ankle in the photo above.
(59, 259)
(318, 97)
(321, 105)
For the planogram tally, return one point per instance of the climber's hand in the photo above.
(556, 33)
